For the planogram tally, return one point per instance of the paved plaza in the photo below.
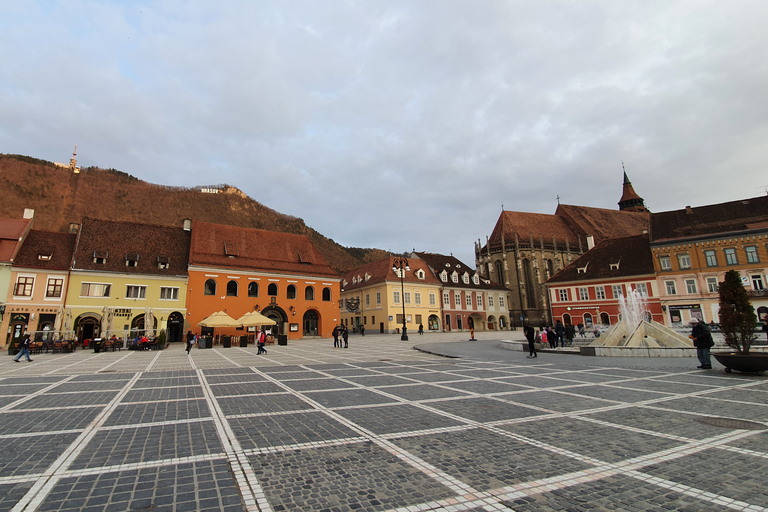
(379, 426)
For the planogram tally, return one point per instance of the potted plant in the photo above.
(737, 323)
(161, 340)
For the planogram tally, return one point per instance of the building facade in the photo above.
(127, 277)
(282, 275)
(589, 291)
(13, 232)
(527, 249)
(694, 247)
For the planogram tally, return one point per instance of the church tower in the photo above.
(630, 201)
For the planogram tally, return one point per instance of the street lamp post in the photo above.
(401, 264)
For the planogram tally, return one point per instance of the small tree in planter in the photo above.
(737, 316)
(161, 340)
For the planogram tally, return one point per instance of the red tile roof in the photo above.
(440, 262)
(712, 219)
(381, 271)
(602, 223)
(526, 224)
(632, 254)
(120, 241)
(46, 250)
(12, 231)
(222, 246)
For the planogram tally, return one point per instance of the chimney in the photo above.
(29, 213)
(74, 227)
(689, 210)
(187, 225)
(590, 241)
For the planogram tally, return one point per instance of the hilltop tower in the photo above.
(73, 162)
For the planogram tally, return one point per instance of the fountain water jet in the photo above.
(637, 334)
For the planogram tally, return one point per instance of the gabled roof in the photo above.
(12, 233)
(216, 245)
(733, 216)
(116, 242)
(46, 250)
(537, 225)
(381, 271)
(611, 258)
(602, 223)
(439, 262)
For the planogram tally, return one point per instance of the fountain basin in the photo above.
(597, 350)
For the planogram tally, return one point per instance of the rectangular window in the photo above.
(407, 297)
(365, 320)
(432, 299)
(665, 263)
(711, 256)
(457, 299)
(469, 300)
(399, 319)
(169, 293)
(479, 301)
(712, 285)
(378, 300)
(446, 299)
(490, 301)
(617, 291)
(684, 260)
(563, 295)
(417, 298)
(757, 281)
(418, 319)
(583, 293)
(690, 285)
(367, 300)
(53, 290)
(396, 296)
(24, 286)
(135, 292)
(730, 256)
(599, 292)
(671, 290)
(501, 301)
(642, 288)
(95, 290)
(752, 254)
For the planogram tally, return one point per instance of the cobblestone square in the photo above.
(454, 426)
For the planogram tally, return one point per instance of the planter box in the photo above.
(282, 339)
(226, 341)
(749, 363)
(243, 341)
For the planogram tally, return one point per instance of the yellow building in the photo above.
(372, 296)
(125, 275)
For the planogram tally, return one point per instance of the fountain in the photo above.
(637, 334)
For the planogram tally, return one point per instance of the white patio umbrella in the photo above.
(104, 321)
(254, 318)
(59, 319)
(68, 320)
(149, 322)
(219, 319)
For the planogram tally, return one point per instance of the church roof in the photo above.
(712, 219)
(611, 258)
(602, 223)
(628, 192)
(526, 224)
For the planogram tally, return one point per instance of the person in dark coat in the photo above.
(362, 330)
(530, 335)
(23, 349)
(335, 334)
(345, 335)
(570, 333)
(559, 333)
(190, 341)
(702, 340)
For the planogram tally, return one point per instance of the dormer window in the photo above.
(131, 260)
(465, 278)
(455, 277)
(615, 266)
(230, 249)
(444, 276)
(582, 270)
(476, 279)
(45, 257)
(163, 262)
(367, 277)
(100, 257)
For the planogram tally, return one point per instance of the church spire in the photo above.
(630, 201)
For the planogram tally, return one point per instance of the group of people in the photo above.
(341, 334)
(549, 336)
(260, 337)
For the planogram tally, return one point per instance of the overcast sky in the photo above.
(399, 124)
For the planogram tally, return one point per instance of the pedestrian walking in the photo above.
(530, 335)
(559, 333)
(345, 335)
(362, 330)
(190, 341)
(421, 329)
(261, 340)
(544, 337)
(23, 349)
(570, 333)
(335, 334)
(702, 340)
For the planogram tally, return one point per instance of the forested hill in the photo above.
(60, 197)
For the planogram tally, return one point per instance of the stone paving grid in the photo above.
(363, 429)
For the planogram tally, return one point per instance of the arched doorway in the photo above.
(476, 321)
(311, 323)
(138, 326)
(278, 315)
(18, 327)
(87, 326)
(175, 327)
(567, 319)
(587, 320)
(502, 323)
(491, 323)
(605, 319)
(433, 323)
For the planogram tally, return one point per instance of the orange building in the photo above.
(282, 275)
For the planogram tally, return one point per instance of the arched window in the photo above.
(529, 289)
(232, 289)
(326, 294)
(567, 319)
(500, 272)
(253, 289)
(210, 287)
(550, 268)
(291, 291)
(309, 293)
(605, 319)
(587, 320)
(272, 290)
